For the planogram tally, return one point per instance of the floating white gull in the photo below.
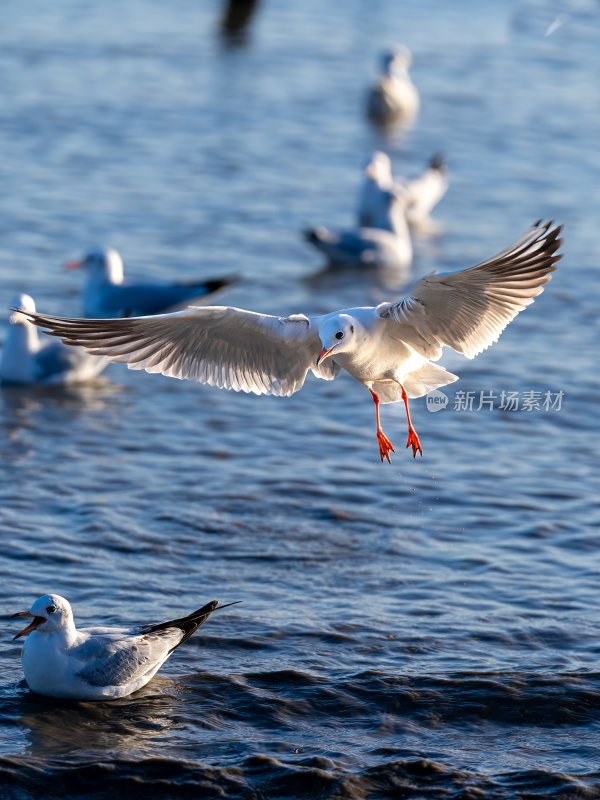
(394, 97)
(421, 194)
(106, 295)
(388, 348)
(96, 663)
(30, 360)
(386, 246)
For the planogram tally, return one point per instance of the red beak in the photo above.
(323, 354)
(35, 623)
(73, 264)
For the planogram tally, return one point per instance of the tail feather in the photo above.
(426, 378)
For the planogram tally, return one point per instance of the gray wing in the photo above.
(468, 310)
(358, 247)
(115, 662)
(55, 359)
(134, 300)
(223, 346)
(56, 362)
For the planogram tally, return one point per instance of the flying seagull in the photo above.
(97, 663)
(106, 295)
(389, 348)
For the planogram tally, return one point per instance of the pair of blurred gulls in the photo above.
(388, 211)
(28, 359)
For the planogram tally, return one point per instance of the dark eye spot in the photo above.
(339, 335)
(51, 609)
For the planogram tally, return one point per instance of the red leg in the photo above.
(413, 439)
(385, 446)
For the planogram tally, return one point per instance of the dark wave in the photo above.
(262, 777)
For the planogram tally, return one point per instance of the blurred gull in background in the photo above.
(96, 663)
(394, 98)
(106, 295)
(386, 246)
(422, 193)
(30, 360)
(390, 349)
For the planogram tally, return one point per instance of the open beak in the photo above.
(73, 264)
(325, 352)
(35, 623)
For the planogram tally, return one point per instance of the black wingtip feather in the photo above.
(190, 624)
(438, 162)
(311, 235)
(221, 283)
(212, 284)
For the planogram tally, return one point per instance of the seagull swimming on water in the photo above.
(97, 663)
(30, 360)
(394, 97)
(389, 348)
(106, 295)
(385, 245)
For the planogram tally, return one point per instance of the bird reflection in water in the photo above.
(134, 725)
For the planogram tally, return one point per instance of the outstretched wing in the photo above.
(223, 346)
(468, 310)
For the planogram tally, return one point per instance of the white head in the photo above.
(396, 61)
(379, 168)
(25, 302)
(338, 334)
(105, 265)
(50, 613)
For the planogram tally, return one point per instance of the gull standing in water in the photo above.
(394, 97)
(97, 663)
(390, 348)
(106, 295)
(29, 360)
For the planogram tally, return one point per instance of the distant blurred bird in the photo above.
(30, 360)
(106, 295)
(394, 97)
(237, 15)
(385, 246)
(390, 348)
(98, 663)
(422, 194)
